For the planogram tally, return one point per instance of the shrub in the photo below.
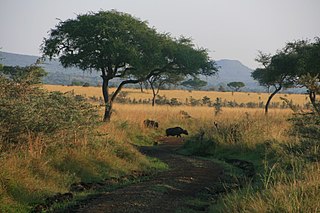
(27, 111)
(307, 128)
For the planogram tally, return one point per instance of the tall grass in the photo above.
(181, 95)
(44, 164)
(49, 140)
(285, 180)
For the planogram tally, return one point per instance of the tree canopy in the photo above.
(236, 85)
(309, 68)
(158, 82)
(298, 63)
(121, 46)
(195, 83)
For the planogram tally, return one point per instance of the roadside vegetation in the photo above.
(41, 164)
(286, 160)
(53, 140)
(50, 140)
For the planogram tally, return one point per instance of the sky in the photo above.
(229, 29)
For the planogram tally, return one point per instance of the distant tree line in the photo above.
(204, 101)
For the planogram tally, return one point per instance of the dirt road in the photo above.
(168, 191)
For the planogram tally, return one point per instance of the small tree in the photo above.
(308, 67)
(195, 83)
(264, 59)
(313, 85)
(206, 100)
(157, 82)
(235, 86)
(217, 106)
(278, 71)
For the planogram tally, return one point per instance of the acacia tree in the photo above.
(308, 67)
(121, 46)
(264, 60)
(195, 83)
(236, 85)
(157, 82)
(279, 71)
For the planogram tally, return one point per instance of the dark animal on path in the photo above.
(176, 131)
(151, 123)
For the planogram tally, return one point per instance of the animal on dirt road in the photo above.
(151, 124)
(176, 131)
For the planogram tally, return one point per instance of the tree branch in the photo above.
(121, 85)
(124, 72)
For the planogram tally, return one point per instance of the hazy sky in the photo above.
(232, 29)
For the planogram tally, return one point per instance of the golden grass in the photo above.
(42, 175)
(298, 195)
(181, 95)
(169, 116)
(165, 112)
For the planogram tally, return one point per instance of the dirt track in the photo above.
(166, 192)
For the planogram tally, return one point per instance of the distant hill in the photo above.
(56, 73)
(230, 70)
(233, 70)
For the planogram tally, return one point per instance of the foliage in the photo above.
(47, 143)
(286, 169)
(296, 64)
(309, 67)
(307, 128)
(157, 82)
(280, 70)
(206, 100)
(217, 106)
(26, 75)
(27, 111)
(195, 83)
(235, 85)
(313, 85)
(121, 46)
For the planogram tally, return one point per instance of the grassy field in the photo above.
(286, 179)
(181, 95)
(287, 171)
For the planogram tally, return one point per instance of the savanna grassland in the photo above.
(182, 95)
(283, 147)
(45, 158)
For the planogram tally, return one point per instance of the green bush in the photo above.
(28, 111)
(307, 128)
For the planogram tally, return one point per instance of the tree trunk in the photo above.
(270, 97)
(107, 112)
(153, 92)
(107, 102)
(141, 86)
(312, 97)
(153, 99)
